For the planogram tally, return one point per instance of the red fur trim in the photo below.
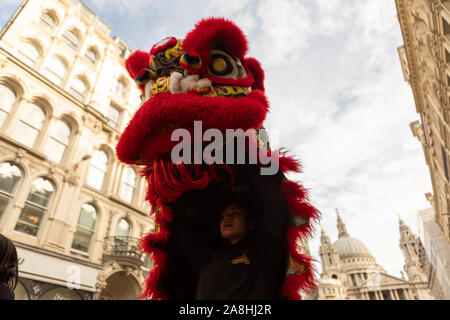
(291, 288)
(165, 214)
(181, 110)
(151, 239)
(151, 289)
(210, 31)
(295, 283)
(305, 281)
(297, 199)
(289, 163)
(302, 209)
(137, 61)
(255, 68)
(241, 82)
(292, 189)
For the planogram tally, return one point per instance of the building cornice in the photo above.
(407, 34)
(56, 255)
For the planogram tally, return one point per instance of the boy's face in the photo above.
(233, 223)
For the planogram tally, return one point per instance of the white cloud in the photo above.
(223, 7)
(284, 30)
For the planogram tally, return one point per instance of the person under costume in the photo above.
(251, 268)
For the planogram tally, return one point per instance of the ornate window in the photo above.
(97, 172)
(129, 184)
(29, 52)
(78, 89)
(55, 70)
(35, 207)
(70, 37)
(123, 228)
(58, 141)
(32, 118)
(7, 99)
(113, 116)
(445, 26)
(121, 88)
(9, 178)
(91, 56)
(47, 21)
(85, 228)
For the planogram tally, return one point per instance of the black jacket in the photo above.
(6, 292)
(255, 267)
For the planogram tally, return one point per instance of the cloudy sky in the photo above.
(338, 100)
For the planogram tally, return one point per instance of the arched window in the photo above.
(55, 70)
(9, 178)
(58, 141)
(7, 99)
(113, 116)
(70, 37)
(129, 184)
(32, 118)
(122, 228)
(29, 53)
(91, 56)
(78, 89)
(47, 21)
(97, 172)
(85, 228)
(121, 88)
(35, 207)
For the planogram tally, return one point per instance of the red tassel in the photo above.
(305, 281)
(288, 163)
(151, 289)
(171, 180)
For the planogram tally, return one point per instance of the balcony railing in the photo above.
(122, 248)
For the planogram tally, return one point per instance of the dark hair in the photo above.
(245, 199)
(9, 263)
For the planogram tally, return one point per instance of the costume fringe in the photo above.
(288, 163)
(167, 181)
(305, 281)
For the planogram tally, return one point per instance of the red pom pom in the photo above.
(254, 67)
(137, 61)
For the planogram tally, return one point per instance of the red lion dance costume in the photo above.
(206, 76)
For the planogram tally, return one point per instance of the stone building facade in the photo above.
(436, 267)
(74, 212)
(350, 272)
(425, 60)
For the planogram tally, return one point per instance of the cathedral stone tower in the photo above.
(332, 280)
(329, 256)
(409, 243)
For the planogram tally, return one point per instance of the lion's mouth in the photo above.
(178, 83)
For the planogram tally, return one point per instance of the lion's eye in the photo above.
(220, 65)
(225, 65)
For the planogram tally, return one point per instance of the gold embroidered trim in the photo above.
(243, 258)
